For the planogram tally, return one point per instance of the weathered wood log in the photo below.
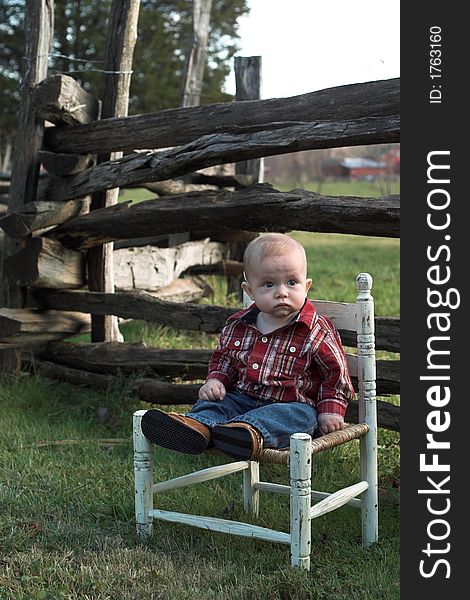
(46, 263)
(21, 327)
(138, 305)
(388, 377)
(28, 140)
(170, 187)
(248, 87)
(388, 415)
(151, 268)
(120, 43)
(221, 181)
(64, 164)
(61, 100)
(4, 187)
(184, 364)
(24, 341)
(128, 358)
(387, 337)
(162, 241)
(257, 208)
(146, 389)
(40, 215)
(224, 234)
(185, 289)
(194, 317)
(193, 182)
(229, 268)
(221, 148)
(163, 393)
(177, 126)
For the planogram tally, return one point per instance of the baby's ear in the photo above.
(246, 288)
(308, 283)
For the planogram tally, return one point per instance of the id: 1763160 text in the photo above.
(435, 62)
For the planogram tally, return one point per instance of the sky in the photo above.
(309, 45)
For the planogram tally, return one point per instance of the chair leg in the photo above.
(370, 502)
(250, 494)
(300, 482)
(143, 479)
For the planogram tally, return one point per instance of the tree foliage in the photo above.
(79, 44)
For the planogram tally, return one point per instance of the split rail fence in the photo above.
(54, 229)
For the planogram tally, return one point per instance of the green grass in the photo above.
(66, 524)
(136, 195)
(342, 187)
(67, 530)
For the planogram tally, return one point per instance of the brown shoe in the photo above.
(175, 432)
(238, 440)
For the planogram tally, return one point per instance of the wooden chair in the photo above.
(357, 317)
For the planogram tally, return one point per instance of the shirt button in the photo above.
(292, 349)
(255, 366)
(264, 339)
(237, 343)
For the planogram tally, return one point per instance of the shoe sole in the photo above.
(235, 442)
(163, 430)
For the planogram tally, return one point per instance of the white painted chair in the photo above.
(357, 317)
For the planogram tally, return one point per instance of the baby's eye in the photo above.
(268, 284)
(292, 282)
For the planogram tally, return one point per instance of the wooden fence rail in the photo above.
(178, 126)
(158, 391)
(257, 208)
(139, 359)
(221, 148)
(192, 317)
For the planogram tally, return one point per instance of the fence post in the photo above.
(39, 21)
(120, 43)
(248, 87)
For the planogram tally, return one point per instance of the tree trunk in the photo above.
(196, 54)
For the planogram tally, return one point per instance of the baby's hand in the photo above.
(328, 423)
(213, 390)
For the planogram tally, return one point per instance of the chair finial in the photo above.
(364, 282)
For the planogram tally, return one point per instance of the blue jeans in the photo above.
(276, 421)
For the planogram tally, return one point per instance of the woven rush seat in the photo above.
(325, 442)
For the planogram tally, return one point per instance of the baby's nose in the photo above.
(282, 291)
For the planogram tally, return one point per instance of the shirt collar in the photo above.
(306, 317)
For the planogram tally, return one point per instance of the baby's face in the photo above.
(278, 284)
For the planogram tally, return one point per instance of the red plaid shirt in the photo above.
(301, 362)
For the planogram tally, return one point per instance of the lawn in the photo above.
(67, 528)
(66, 490)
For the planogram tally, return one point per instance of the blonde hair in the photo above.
(271, 244)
